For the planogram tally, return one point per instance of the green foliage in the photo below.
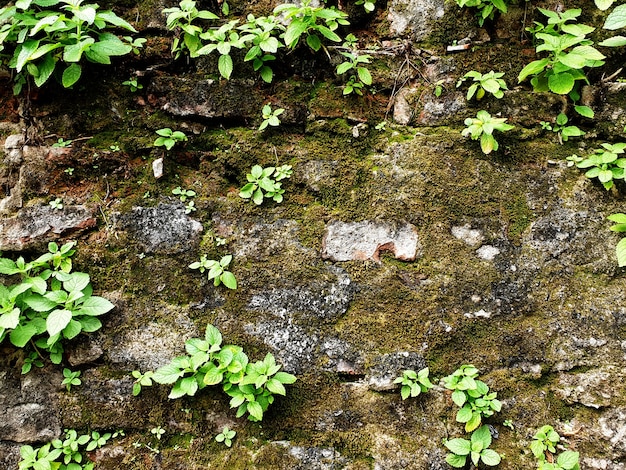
(620, 227)
(141, 380)
(133, 84)
(486, 9)
(313, 23)
(251, 386)
(183, 194)
(368, 5)
(168, 138)
(70, 378)
(180, 19)
(61, 143)
(223, 40)
(491, 82)
(561, 128)
(472, 396)
(226, 436)
(67, 454)
(261, 36)
(217, 270)
(603, 4)
(265, 179)
(56, 203)
(270, 118)
(604, 164)
(360, 76)
(48, 303)
(569, 52)
(543, 448)
(482, 128)
(414, 383)
(477, 448)
(157, 432)
(37, 35)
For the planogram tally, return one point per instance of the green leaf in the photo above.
(285, 378)
(72, 329)
(255, 410)
(46, 67)
(314, 42)
(620, 251)
(229, 280)
(537, 448)
(94, 306)
(213, 335)
(474, 422)
(168, 374)
(603, 4)
(39, 303)
(364, 75)
(585, 111)
(619, 218)
(276, 387)
(464, 414)
(10, 320)
(458, 397)
(343, 68)
(616, 19)
(294, 31)
(615, 41)
(488, 143)
(533, 68)
(482, 436)
(459, 446)
(568, 459)
(71, 75)
(561, 83)
(26, 50)
(108, 45)
(57, 321)
(213, 375)
(225, 66)
(490, 457)
(90, 324)
(456, 461)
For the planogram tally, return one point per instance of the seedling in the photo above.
(217, 270)
(56, 204)
(414, 383)
(362, 78)
(543, 448)
(265, 179)
(168, 138)
(141, 380)
(270, 118)
(482, 128)
(604, 164)
(69, 171)
(157, 431)
(133, 84)
(61, 143)
(491, 82)
(561, 128)
(226, 436)
(619, 227)
(183, 194)
(477, 449)
(70, 378)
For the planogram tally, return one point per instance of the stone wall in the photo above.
(398, 245)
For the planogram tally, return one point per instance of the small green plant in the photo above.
(183, 194)
(226, 436)
(477, 449)
(56, 204)
(620, 227)
(157, 432)
(270, 117)
(543, 448)
(31, 360)
(168, 138)
(114, 148)
(486, 9)
(133, 84)
(560, 127)
(438, 89)
(70, 378)
(265, 179)
(217, 270)
(413, 383)
(509, 424)
(223, 40)
(491, 82)
(67, 454)
(314, 23)
(180, 19)
(360, 77)
(251, 386)
(48, 303)
(482, 128)
(261, 34)
(569, 53)
(605, 164)
(368, 5)
(472, 395)
(61, 143)
(38, 35)
(141, 380)
(69, 171)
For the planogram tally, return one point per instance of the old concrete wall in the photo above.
(396, 246)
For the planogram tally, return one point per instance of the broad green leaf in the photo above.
(459, 446)
(255, 410)
(109, 45)
(616, 19)
(266, 74)
(25, 51)
(561, 83)
(464, 414)
(474, 422)
(364, 75)
(585, 111)
(115, 20)
(90, 324)
(568, 459)
(294, 31)
(343, 68)
(603, 4)
(458, 397)
(229, 280)
(328, 34)
(285, 378)
(620, 251)
(276, 387)
(74, 52)
(213, 375)
(23, 333)
(86, 14)
(10, 320)
(94, 306)
(168, 374)
(537, 448)
(533, 68)
(45, 67)
(482, 436)
(490, 457)
(225, 66)
(488, 143)
(57, 321)
(71, 75)
(314, 42)
(196, 345)
(619, 218)
(213, 335)
(39, 303)
(456, 461)
(615, 41)
(72, 329)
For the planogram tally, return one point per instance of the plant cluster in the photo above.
(38, 35)
(251, 385)
(217, 270)
(168, 138)
(186, 196)
(491, 82)
(270, 117)
(482, 127)
(543, 448)
(360, 76)
(475, 402)
(48, 303)
(605, 164)
(485, 9)
(620, 227)
(265, 183)
(560, 127)
(226, 436)
(66, 454)
(413, 383)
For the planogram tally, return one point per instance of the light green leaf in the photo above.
(615, 41)
(168, 374)
(568, 459)
(225, 66)
(561, 83)
(364, 75)
(90, 324)
(616, 19)
(456, 461)
(94, 306)
(603, 4)
(39, 303)
(72, 329)
(585, 111)
(23, 333)
(255, 410)
(459, 446)
(490, 457)
(533, 68)
(276, 387)
(620, 251)
(229, 280)
(57, 321)
(71, 75)
(10, 320)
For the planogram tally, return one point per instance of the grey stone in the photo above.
(386, 368)
(470, 236)
(365, 240)
(85, 352)
(415, 18)
(164, 229)
(612, 428)
(38, 224)
(316, 458)
(318, 173)
(14, 141)
(438, 111)
(402, 107)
